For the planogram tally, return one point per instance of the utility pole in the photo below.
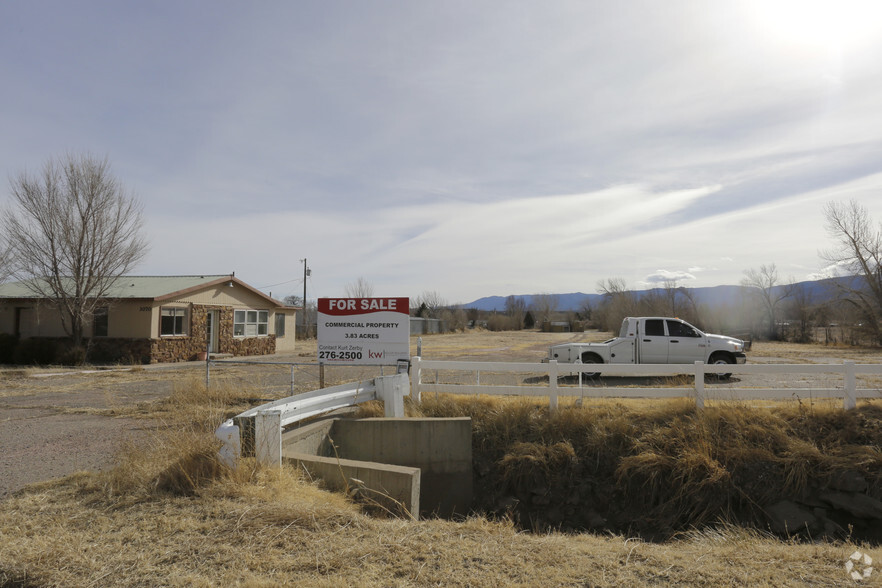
(306, 272)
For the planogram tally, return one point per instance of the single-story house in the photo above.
(155, 319)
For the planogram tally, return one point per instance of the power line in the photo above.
(280, 283)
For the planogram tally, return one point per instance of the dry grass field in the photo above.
(165, 513)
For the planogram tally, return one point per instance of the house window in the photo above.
(171, 322)
(99, 322)
(280, 324)
(250, 323)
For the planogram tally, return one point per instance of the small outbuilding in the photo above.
(153, 319)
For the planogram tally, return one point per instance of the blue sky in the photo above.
(458, 147)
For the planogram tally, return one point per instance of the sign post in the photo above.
(360, 331)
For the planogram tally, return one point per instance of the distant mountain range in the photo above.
(711, 296)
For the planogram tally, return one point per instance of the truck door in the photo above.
(685, 343)
(653, 342)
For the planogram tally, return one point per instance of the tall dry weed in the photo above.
(661, 467)
(180, 456)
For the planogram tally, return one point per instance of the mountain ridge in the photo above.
(710, 295)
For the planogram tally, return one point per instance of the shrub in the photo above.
(500, 322)
(7, 347)
(72, 355)
(35, 351)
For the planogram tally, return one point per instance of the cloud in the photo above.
(664, 276)
(466, 148)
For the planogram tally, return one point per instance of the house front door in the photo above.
(212, 328)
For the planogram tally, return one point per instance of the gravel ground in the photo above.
(55, 425)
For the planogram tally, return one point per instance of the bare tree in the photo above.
(72, 231)
(858, 253)
(585, 310)
(360, 288)
(617, 303)
(429, 304)
(544, 306)
(454, 318)
(680, 301)
(764, 285)
(5, 261)
(516, 309)
(308, 310)
(801, 308)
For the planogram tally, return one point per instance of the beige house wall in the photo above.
(236, 296)
(36, 320)
(125, 319)
(286, 343)
(129, 318)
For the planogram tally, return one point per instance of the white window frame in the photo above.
(178, 312)
(250, 322)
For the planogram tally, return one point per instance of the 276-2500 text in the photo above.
(340, 355)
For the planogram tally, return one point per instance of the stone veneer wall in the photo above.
(117, 349)
(185, 348)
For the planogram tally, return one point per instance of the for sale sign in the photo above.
(363, 330)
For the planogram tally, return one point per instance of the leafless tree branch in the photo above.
(72, 231)
(858, 253)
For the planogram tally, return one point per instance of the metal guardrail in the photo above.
(257, 432)
(849, 391)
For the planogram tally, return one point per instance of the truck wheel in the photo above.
(591, 358)
(722, 359)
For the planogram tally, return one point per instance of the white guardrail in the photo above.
(849, 370)
(258, 432)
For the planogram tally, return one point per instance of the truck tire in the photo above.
(722, 359)
(591, 358)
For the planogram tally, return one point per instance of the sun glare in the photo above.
(820, 24)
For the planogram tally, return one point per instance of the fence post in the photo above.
(268, 437)
(699, 385)
(850, 396)
(552, 384)
(392, 390)
(417, 371)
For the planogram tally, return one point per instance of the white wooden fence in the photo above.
(257, 432)
(848, 370)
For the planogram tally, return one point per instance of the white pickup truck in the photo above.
(654, 340)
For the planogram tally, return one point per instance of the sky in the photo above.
(459, 148)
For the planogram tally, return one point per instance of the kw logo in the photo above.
(376, 354)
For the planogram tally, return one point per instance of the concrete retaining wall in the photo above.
(439, 450)
(395, 488)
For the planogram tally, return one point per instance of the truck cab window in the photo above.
(655, 328)
(678, 329)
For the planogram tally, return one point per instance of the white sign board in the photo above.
(363, 330)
